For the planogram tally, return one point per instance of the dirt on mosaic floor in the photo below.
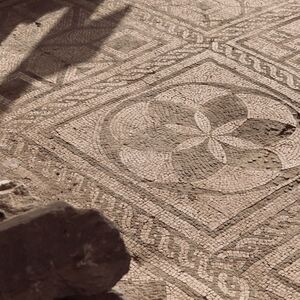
(178, 120)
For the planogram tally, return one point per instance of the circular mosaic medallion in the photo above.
(222, 139)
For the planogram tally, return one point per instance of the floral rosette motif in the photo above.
(216, 138)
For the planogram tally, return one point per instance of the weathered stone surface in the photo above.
(6, 185)
(15, 199)
(59, 251)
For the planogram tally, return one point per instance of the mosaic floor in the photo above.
(178, 119)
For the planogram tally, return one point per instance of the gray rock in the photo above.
(59, 251)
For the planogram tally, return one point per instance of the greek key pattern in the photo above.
(141, 71)
(215, 270)
(279, 13)
(261, 66)
(161, 115)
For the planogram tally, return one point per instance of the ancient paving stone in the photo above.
(59, 251)
(178, 119)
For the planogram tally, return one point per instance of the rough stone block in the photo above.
(59, 251)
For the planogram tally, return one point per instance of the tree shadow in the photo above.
(64, 46)
(38, 11)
